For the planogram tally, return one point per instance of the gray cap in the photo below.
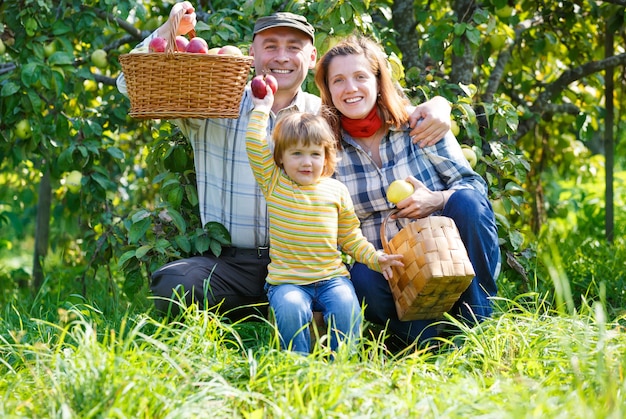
(285, 19)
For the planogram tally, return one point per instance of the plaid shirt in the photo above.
(440, 167)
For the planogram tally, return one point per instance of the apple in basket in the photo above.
(230, 50)
(181, 43)
(157, 44)
(259, 85)
(197, 45)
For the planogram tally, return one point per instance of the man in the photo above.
(233, 283)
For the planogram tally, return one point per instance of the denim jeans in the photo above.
(293, 307)
(475, 220)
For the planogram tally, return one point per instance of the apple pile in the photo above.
(259, 85)
(195, 45)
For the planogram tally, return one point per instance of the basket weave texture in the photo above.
(184, 85)
(436, 268)
(173, 85)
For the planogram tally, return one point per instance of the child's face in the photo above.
(304, 164)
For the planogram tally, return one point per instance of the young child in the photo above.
(312, 221)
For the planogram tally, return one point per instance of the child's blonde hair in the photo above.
(305, 128)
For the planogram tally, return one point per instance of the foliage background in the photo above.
(526, 80)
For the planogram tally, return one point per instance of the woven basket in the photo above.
(436, 268)
(173, 85)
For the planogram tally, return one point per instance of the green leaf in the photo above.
(218, 232)
(178, 220)
(142, 251)
(175, 197)
(216, 247)
(126, 257)
(183, 243)
(9, 89)
(138, 230)
(103, 181)
(61, 58)
(35, 101)
(116, 153)
(30, 73)
(516, 238)
(202, 243)
(140, 215)
(192, 194)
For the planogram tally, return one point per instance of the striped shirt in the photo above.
(440, 167)
(309, 224)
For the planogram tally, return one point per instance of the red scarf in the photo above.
(362, 128)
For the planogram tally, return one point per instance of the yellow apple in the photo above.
(72, 181)
(22, 129)
(497, 41)
(214, 51)
(505, 12)
(470, 155)
(99, 58)
(399, 190)
(454, 127)
(3, 48)
(49, 49)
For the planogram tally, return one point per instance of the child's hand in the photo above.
(265, 103)
(386, 262)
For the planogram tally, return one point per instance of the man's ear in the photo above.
(313, 59)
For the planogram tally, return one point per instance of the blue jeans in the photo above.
(293, 307)
(475, 220)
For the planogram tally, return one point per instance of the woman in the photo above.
(368, 115)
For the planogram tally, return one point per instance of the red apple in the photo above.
(157, 44)
(181, 43)
(259, 85)
(230, 50)
(197, 45)
(271, 82)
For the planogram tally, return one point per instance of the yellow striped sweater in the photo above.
(309, 225)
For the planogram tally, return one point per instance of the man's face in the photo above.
(287, 53)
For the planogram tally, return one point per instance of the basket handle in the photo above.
(171, 36)
(383, 231)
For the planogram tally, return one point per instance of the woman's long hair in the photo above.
(392, 106)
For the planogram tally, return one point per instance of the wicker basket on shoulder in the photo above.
(174, 85)
(436, 268)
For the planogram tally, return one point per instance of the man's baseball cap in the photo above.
(285, 19)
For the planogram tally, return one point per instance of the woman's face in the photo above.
(353, 87)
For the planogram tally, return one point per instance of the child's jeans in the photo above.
(293, 306)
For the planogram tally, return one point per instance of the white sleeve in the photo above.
(121, 81)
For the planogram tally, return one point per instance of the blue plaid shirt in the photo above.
(440, 167)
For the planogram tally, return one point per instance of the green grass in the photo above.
(526, 362)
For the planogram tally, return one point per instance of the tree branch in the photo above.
(503, 59)
(541, 104)
(134, 32)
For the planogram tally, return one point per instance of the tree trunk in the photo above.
(608, 132)
(42, 229)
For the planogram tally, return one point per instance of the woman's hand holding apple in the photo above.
(422, 202)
